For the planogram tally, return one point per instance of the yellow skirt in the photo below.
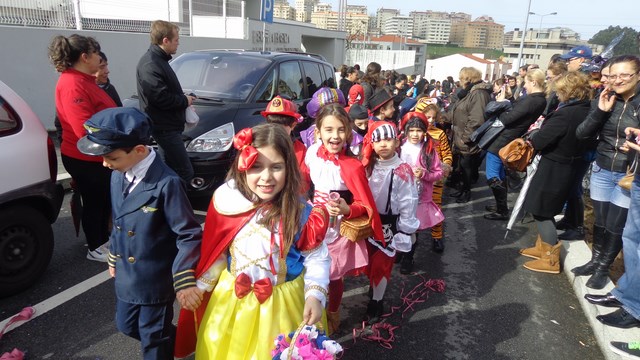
(235, 328)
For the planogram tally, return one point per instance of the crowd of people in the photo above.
(358, 191)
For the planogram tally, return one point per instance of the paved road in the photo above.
(492, 308)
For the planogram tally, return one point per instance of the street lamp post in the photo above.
(535, 57)
(524, 33)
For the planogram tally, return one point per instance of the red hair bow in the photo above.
(248, 154)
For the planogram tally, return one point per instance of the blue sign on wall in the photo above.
(266, 11)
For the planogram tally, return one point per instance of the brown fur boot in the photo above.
(537, 250)
(549, 262)
(333, 322)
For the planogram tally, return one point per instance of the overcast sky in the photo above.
(581, 16)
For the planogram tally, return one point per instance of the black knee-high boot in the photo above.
(500, 194)
(596, 253)
(612, 246)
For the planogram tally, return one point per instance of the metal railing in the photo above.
(87, 14)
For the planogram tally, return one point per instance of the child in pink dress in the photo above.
(419, 151)
(333, 169)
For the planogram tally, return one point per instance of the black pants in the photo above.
(93, 182)
(469, 164)
(574, 213)
(171, 149)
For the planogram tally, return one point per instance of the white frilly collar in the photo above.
(229, 201)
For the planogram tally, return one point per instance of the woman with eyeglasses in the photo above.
(615, 110)
(554, 71)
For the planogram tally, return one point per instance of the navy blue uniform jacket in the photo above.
(155, 241)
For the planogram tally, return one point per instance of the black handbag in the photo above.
(487, 132)
(475, 136)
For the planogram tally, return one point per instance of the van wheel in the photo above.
(26, 247)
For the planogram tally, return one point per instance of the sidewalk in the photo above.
(574, 253)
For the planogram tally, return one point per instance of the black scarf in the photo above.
(464, 92)
(361, 132)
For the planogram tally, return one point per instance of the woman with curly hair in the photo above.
(560, 149)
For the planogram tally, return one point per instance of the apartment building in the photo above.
(540, 44)
(357, 9)
(355, 22)
(483, 32)
(382, 15)
(304, 8)
(439, 30)
(459, 17)
(398, 25)
(283, 10)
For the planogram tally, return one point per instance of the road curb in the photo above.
(576, 253)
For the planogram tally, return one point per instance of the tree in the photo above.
(628, 45)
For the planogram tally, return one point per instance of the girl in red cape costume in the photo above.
(259, 279)
(333, 169)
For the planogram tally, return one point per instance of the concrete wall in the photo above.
(25, 65)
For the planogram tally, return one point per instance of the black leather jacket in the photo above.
(609, 128)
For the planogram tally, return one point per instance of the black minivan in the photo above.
(232, 88)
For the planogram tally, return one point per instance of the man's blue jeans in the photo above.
(628, 289)
(172, 150)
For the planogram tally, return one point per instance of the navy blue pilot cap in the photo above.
(115, 128)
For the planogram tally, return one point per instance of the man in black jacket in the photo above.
(162, 98)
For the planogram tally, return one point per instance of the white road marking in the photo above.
(60, 298)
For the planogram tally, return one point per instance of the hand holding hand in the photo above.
(418, 172)
(312, 310)
(190, 298)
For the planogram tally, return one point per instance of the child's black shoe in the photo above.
(406, 265)
(375, 310)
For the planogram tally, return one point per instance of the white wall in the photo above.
(400, 60)
(450, 65)
(27, 70)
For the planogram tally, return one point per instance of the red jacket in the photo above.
(78, 97)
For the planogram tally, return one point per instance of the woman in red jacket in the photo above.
(78, 97)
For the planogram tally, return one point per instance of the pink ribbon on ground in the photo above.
(418, 294)
(24, 315)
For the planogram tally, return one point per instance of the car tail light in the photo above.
(53, 160)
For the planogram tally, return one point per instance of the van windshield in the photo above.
(224, 76)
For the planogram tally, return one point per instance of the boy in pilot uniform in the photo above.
(155, 240)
